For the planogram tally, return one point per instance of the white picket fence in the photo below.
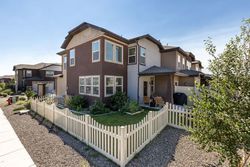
(118, 143)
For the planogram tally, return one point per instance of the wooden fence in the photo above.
(118, 143)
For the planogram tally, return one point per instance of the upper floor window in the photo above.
(89, 85)
(142, 56)
(96, 51)
(65, 62)
(179, 61)
(197, 68)
(72, 57)
(113, 52)
(183, 62)
(188, 65)
(132, 55)
(113, 84)
(49, 73)
(28, 73)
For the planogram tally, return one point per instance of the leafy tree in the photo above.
(222, 111)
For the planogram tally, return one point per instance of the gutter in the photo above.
(138, 68)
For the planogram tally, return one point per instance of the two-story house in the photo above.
(38, 77)
(97, 63)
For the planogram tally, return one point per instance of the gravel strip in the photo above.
(171, 148)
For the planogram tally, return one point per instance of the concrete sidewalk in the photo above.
(12, 151)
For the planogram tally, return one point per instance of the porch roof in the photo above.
(191, 72)
(155, 70)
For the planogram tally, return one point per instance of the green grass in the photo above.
(120, 119)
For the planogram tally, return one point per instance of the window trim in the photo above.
(144, 64)
(89, 76)
(94, 61)
(132, 55)
(114, 56)
(114, 85)
(72, 65)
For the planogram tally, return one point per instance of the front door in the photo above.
(145, 88)
(40, 89)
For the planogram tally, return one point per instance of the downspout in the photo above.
(138, 66)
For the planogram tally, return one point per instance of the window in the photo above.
(183, 63)
(72, 57)
(89, 85)
(96, 51)
(49, 73)
(197, 68)
(188, 65)
(113, 52)
(65, 62)
(179, 61)
(113, 84)
(142, 56)
(132, 55)
(28, 73)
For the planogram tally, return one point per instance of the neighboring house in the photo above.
(6, 78)
(38, 77)
(97, 63)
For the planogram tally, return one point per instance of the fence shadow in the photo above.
(93, 157)
(160, 151)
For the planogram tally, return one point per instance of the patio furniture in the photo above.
(159, 101)
(146, 100)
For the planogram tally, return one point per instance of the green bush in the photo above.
(98, 108)
(30, 93)
(7, 91)
(131, 106)
(118, 100)
(21, 102)
(77, 103)
(21, 98)
(2, 86)
(27, 105)
(19, 108)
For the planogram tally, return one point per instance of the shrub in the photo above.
(21, 98)
(77, 103)
(4, 94)
(19, 108)
(2, 86)
(131, 106)
(98, 108)
(27, 105)
(30, 93)
(8, 91)
(21, 102)
(118, 100)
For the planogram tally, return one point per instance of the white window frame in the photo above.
(134, 47)
(114, 84)
(92, 85)
(114, 50)
(179, 61)
(140, 55)
(93, 51)
(72, 50)
(65, 63)
(27, 75)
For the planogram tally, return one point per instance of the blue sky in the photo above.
(32, 31)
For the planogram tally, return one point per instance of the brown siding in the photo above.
(84, 66)
(164, 87)
(169, 60)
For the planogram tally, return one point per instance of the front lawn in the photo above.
(119, 119)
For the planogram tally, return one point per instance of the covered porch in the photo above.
(156, 85)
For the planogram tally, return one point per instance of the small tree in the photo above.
(29, 94)
(222, 111)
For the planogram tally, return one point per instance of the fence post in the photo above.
(66, 116)
(150, 128)
(167, 111)
(53, 113)
(36, 106)
(123, 146)
(87, 129)
(43, 109)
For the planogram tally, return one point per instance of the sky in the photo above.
(32, 31)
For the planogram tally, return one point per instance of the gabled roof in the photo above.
(155, 70)
(150, 38)
(86, 25)
(174, 48)
(33, 66)
(197, 62)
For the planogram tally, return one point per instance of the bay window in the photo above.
(113, 84)
(113, 52)
(89, 85)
